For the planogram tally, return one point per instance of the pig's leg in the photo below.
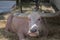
(45, 33)
(21, 36)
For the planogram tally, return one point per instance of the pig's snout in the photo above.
(33, 30)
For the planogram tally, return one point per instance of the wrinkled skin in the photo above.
(22, 25)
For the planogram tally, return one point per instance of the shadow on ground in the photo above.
(2, 17)
(7, 35)
(12, 36)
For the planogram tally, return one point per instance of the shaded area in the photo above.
(7, 35)
(2, 17)
(13, 36)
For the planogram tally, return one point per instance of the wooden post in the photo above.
(37, 5)
(20, 5)
(17, 3)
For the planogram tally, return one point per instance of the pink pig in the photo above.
(31, 25)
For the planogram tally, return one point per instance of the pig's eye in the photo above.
(39, 19)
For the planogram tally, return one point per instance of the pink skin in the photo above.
(21, 25)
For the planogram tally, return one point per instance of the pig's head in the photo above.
(34, 24)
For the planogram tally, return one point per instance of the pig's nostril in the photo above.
(33, 30)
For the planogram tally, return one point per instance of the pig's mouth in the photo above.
(33, 34)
